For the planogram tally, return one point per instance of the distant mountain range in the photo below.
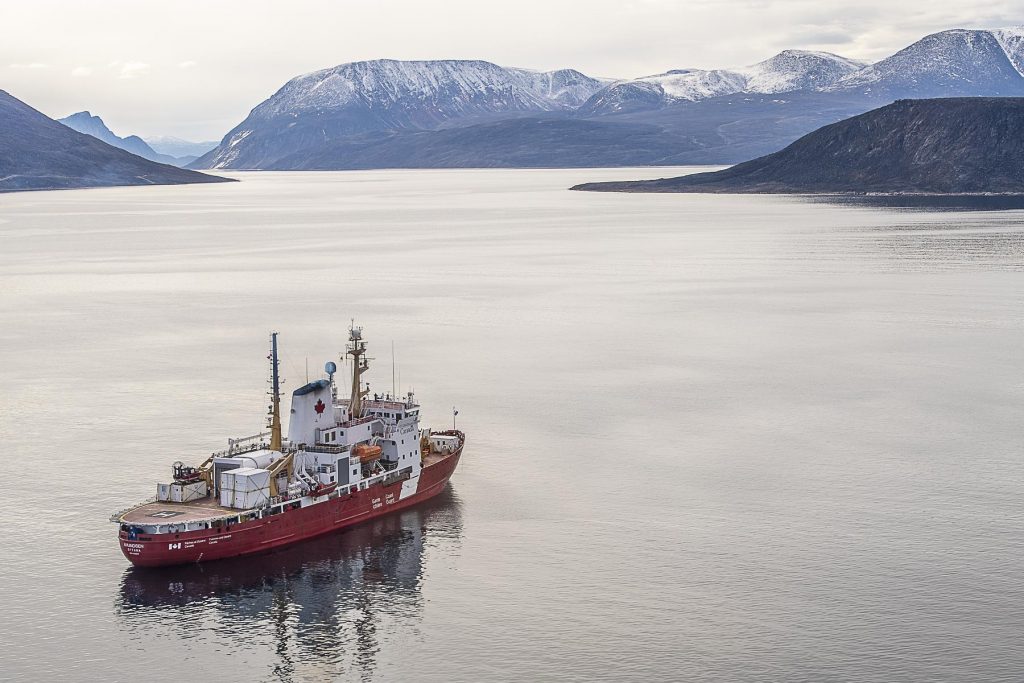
(450, 113)
(37, 153)
(788, 71)
(84, 122)
(967, 145)
(176, 147)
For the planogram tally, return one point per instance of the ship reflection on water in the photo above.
(318, 605)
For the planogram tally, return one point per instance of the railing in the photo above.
(325, 449)
(243, 445)
(116, 517)
(240, 450)
(358, 421)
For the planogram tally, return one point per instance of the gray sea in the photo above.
(710, 438)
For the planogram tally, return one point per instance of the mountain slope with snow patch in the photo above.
(387, 94)
(1011, 39)
(953, 63)
(787, 71)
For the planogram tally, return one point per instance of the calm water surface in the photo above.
(711, 438)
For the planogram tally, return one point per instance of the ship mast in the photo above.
(360, 364)
(275, 392)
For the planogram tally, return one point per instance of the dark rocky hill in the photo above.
(940, 146)
(37, 153)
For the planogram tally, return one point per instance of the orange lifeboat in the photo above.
(366, 452)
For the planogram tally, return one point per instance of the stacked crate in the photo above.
(244, 488)
(181, 493)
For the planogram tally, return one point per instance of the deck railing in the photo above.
(116, 517)
(245, 444)
(325, 449)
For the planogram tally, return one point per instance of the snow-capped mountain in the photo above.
(652, 92)
(388, 94)
(954, 63)
(447, 88)
(950, 63)
(401, 114)
(785, 72)
(797, 70)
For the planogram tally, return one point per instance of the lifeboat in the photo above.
(322, 490)
(367, 453)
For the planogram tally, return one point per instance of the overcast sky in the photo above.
(194, 68)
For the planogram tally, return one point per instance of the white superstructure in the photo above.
(333, 444)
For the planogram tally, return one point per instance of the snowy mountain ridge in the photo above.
(785, 72)
(797, 70)
(947, 62)
(454, 85)
(387, 94)
(938, 64)
(349, 113)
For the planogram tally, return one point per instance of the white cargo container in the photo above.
(190, 492)
(181, 493)
(250, 479)
(442, 443)
(244, 488)
(244, 500)
(251, 499)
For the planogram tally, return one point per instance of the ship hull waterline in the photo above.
(293, 526)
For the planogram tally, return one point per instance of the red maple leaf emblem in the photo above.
(319, 407)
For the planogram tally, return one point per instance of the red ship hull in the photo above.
(292, 526)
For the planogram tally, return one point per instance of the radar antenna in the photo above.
(330, 367)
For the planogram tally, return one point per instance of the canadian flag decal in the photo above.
(319, 407)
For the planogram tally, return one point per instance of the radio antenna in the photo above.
(275, 405)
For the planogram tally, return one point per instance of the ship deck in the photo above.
(169, 512)
(434, 458)
(203, 509)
